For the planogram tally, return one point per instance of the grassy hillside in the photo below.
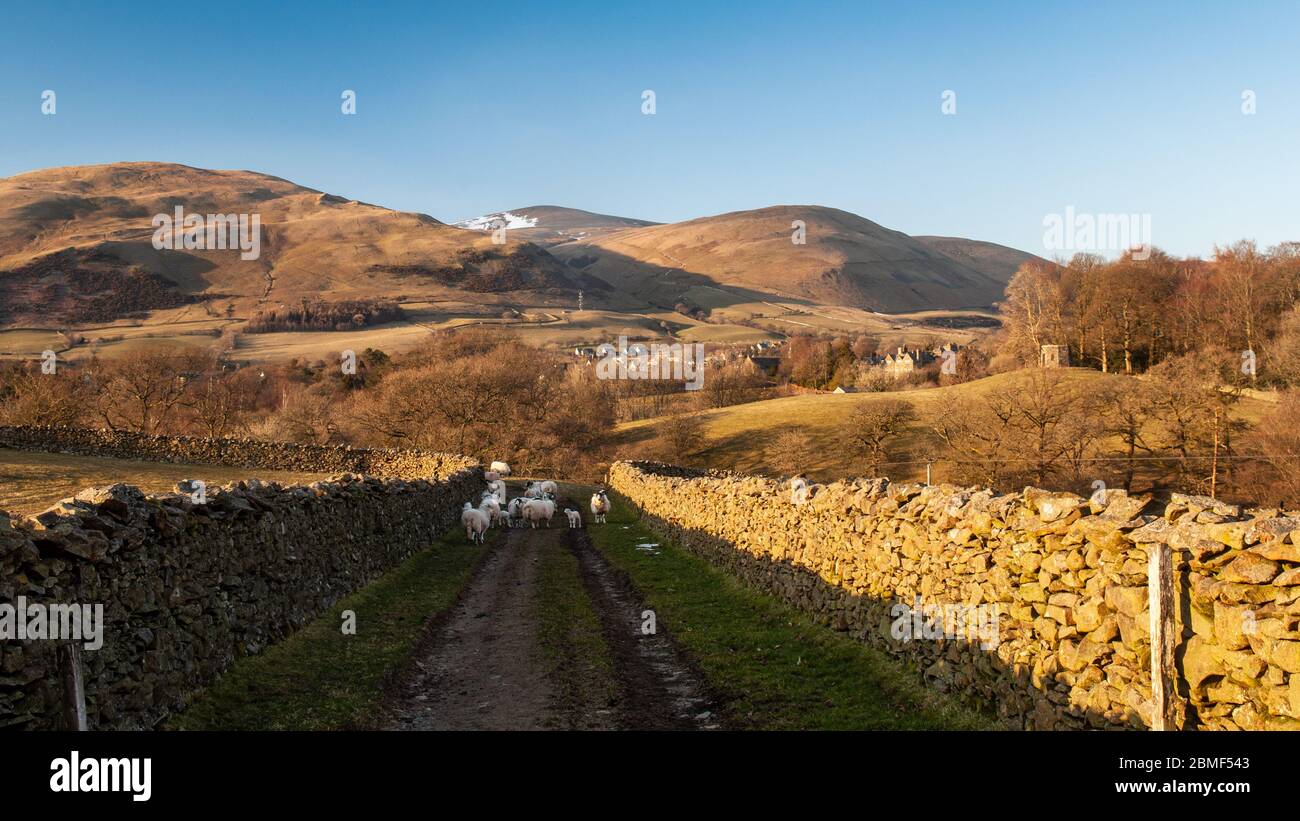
(739, 436)
(844, 260)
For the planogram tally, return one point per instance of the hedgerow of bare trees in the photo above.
(1173, 427)
(468, 392)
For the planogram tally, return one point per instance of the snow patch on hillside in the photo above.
(491, 222)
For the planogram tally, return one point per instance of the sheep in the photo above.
(575, 518)
(599, 506)
(475, 522)
(501, 468)
(498, 490)
(535, 510)
(491, 508)
(548, 487)
(515, 511)
(534, 490)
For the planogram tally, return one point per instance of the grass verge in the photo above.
(321, 679)
(775, 667)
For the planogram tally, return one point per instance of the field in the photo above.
(541, 326)
(919, 329)
(738, 436)
(544, 326)
(31, 482)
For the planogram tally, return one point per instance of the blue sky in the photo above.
(473, 107)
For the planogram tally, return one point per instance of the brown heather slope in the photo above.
(76, 246)
(847, 260)
(997, 261)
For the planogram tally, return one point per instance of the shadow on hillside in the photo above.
(663, 286)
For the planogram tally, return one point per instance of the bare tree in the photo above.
(873, 427)
(142, 391)
(731, 384)
(1035, 429)
(1282, 362)
(304, 416)
(1128, 412)
(1193, 402)
(30, 397)
(790, 452)
(1277, 443)
(1033, 309)
(681, 436)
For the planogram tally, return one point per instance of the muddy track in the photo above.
(480, 666)
(660, 689)
(479, 671)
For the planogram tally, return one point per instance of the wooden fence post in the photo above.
(1160, 591)
(74, 687)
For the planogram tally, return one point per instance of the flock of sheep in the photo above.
(536, 505)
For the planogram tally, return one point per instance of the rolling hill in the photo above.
(549, 225)
(76, 250)
(997, 261)
(845, 260)
(76, 246)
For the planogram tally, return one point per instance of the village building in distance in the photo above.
(905, 361)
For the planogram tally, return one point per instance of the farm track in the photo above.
(482, 667)
(660, 688)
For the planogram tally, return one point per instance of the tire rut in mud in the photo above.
(660, 689)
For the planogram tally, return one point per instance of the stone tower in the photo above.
(1054, 356)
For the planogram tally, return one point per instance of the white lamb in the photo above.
(475, 522)
(599, 506)
(501, 468)
(536, 510)
(575, 518)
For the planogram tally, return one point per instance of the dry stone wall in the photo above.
(249, 453)
(186, 588)
(1066, 577)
